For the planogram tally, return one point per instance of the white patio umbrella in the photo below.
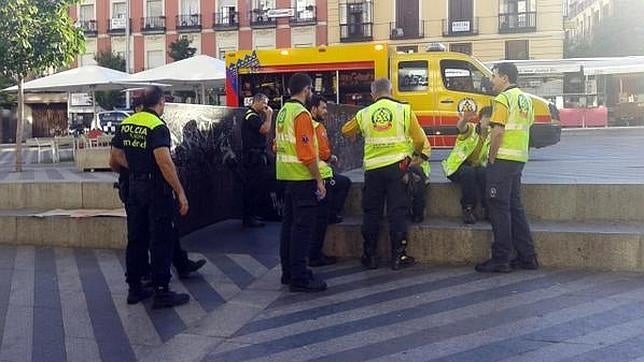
(199, 70)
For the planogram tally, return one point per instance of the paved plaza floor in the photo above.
(61, 304)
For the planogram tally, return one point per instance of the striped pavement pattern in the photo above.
(59, 304)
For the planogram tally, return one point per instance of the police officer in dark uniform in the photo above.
(142, 145)
(184, 266)
(256, 125)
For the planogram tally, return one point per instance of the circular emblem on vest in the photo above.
(382, 119)
(467, 105)
(524, 104)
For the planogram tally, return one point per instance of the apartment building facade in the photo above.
(213, 26)
(489, 29)
(583, 16)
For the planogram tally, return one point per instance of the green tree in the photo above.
(619, 34)
(181, 49)
(110, 99)
(37, 35)
(6, 99)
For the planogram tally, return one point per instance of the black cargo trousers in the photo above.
(380, 185)
(151, 211)
(301, 208)
(180, 256)
(507, 216)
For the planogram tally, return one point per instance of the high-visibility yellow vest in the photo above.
(516, 138)
(463, 149)
(325, 170)
(385, 127)
(288, 166)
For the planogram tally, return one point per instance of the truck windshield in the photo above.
(463, 76)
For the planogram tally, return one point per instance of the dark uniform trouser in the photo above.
(298, 228)
(382, 184)
(338, 193)
(417, 192)
(472, 182)
(255, 181)
(151, 224)
(337, 189)
(179, 256)
(509, 223)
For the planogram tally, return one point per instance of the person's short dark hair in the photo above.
(317, 100)
(485, 112)
(258, 97)
(136, 102)
(509, 70)
(151, 96)
(298, 82)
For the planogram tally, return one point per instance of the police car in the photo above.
(108, 121)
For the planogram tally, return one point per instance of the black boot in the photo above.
(137, 293)
(369, 259)
(531, 263)
(190, 267)
(468, 215)
(399, 257)
(165, 298)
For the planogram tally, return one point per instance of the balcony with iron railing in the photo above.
(460, 27)
(406, 31)
(518, 22)
(153, 24)
(356, 32)
(88, 27)
(306, 16)
(259, 19)
(189, 22)
(225, 21)
(118, 25)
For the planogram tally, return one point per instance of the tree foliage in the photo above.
(110, 99)
(7, 100)
(620, 34)
(37, 35)
(181, 49)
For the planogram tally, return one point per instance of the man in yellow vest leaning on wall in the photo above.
(297, 167)
(511, 121)
(387, 126)
(466, 162)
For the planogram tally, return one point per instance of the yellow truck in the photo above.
(438, 84)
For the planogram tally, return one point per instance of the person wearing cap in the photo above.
(142, 145)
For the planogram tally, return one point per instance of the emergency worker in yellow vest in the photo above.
(142, 145)
(297, 167)
(466, 163)
(388, 127)
(511, 121)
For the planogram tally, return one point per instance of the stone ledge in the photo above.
(561, 202)
(596, 246)
(20, 228)
(59, 195)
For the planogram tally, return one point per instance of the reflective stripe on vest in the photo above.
(516, 138)
(288, 166)
(462, 151)
(385, 125)
(325, 170)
